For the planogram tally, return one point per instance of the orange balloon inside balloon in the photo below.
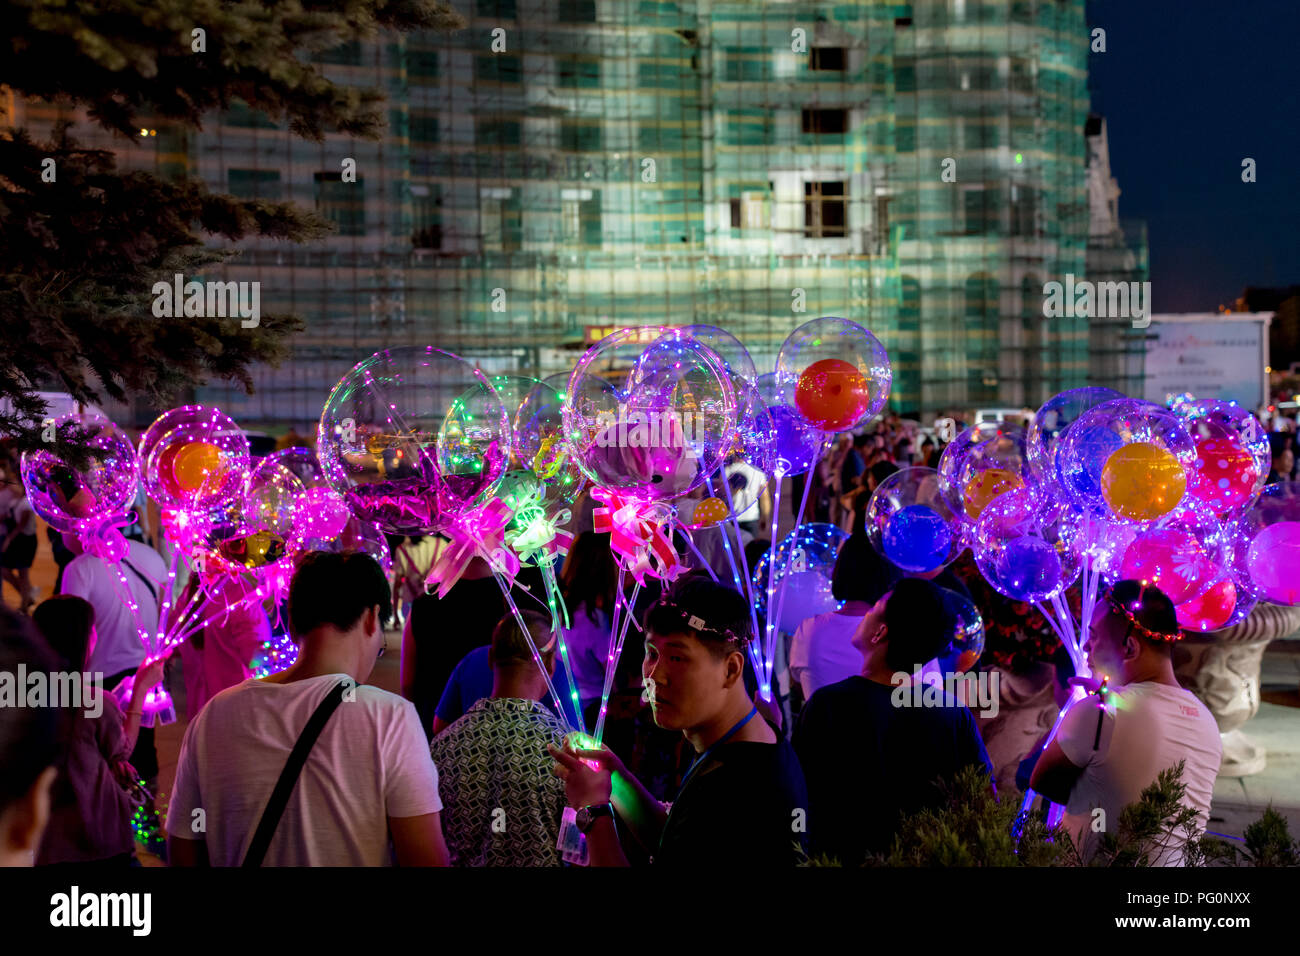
(1142, 481)
(194, 464)
(987, 485)
(708, 513)
(832, 394)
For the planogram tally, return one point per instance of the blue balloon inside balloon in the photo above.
(1027, 569)
(917, 539)
(796, 443)
(968, 634)
(1093, 448)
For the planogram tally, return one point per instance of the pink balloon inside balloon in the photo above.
(1171, 559)
(1210, 610)
(1225, 474)
(1272, 559)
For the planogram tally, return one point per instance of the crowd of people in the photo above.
(472, 762)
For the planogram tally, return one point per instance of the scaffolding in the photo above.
(559, 168)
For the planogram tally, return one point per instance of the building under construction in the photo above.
(560, 168)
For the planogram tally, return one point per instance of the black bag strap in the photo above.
(289, 775)
(150, 586)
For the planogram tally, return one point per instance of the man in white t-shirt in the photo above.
(1104, 755)
(369, 778)
(118, 648)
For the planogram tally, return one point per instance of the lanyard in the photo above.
(699, 761)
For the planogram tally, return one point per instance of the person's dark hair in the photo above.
(861, 574)
(715, 614)
(65, 621)
(336, 588)
(861, 441)
(29, 736)
(1278, 443)
(590, 575)
(882, 470)
(920, 624)
(510, 648)
(1148, 614)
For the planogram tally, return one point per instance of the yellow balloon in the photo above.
(195, 464)
(708, 512)
(987, 485)
(1142, 481)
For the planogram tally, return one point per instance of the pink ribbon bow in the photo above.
(637, 534)
(482, 533)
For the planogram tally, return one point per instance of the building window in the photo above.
(824, 210)
(495, 9)
(981, 210)
(751, 207)
(580, 217)
(501, 223)
(424, 128)
(426, 216)
(1022, 76)
(1024, 211)
(818, 121)
(577, 11)
(254, 183)
(497, 132)
(578, 74)
(828, 58)
(577, 136)
(497, 68)
(342, 203)
(422, 64)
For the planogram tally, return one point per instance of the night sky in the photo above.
(1189, 88)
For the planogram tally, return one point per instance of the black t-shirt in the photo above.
(745, 807)
(868, 763)
(445, 630)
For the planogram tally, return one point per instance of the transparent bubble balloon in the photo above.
(356, 535)
(795, 443)
(302, 462)
(411, 436)
(79, 498)
(736, 489)
(665, 422)
(1183, 553)
(271, 494)
(1022, 548)
(1232, 454)
(984, 461)
(805, 559)
(1127, 460)
(1049, 426)
(834, 373)
(910, 522)
(1265, 542)
(968, 637)
(735, 357)
(540, 443)
(193, 457)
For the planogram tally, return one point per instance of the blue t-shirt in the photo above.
(471, 682)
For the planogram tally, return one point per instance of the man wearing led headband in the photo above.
(742, 802)
(1111, 746)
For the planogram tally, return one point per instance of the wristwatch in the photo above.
(588, 816)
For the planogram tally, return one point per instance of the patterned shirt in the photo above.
(501, 801)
